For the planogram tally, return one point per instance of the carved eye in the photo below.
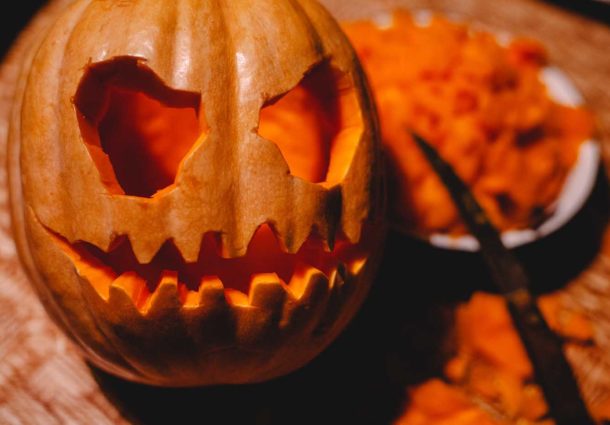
(137, 130)
(316, 125)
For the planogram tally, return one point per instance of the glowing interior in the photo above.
(316, 125)
(137, 129)
(265, 259)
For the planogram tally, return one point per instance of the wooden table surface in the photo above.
(43, 379)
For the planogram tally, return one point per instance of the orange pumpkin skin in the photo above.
(226, 256)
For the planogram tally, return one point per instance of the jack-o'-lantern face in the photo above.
(195, 189)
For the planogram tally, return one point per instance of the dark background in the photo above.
(16, 15)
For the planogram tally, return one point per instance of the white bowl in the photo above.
(575, 190)
(579, 182)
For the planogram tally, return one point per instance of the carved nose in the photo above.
(136, 128)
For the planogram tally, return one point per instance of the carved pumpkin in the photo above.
(195, 186)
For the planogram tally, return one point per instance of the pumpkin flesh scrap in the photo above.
(490, 380)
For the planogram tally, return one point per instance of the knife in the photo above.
(544, 348)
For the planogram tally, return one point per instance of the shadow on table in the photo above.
(401, 336)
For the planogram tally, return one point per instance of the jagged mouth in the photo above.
(265, 261)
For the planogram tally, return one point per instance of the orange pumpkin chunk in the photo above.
(490, 378)
(483, 106)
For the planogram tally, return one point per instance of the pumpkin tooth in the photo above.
(313, 287)
(236, 298)
(188, 250)
(267, 290)
(166, 295)
(211, 291)
(338, 276)
(190, 299)
(356, 266)
(145, 249)
(133, 286)
(100, 278)
(209, 285)
(302, 277)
